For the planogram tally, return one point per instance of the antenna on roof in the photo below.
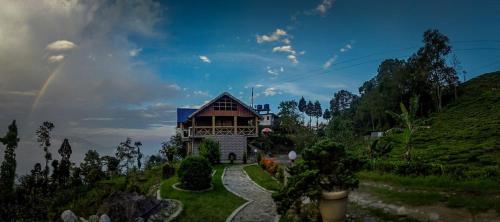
(252, 97)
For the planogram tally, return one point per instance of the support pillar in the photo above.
(235, 125)
(213, 125)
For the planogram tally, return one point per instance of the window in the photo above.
(225, 104)
(267, 117)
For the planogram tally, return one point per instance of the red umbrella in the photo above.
(266, 130)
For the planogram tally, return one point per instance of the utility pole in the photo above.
(252, 98)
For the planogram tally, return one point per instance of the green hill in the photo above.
(466, 131)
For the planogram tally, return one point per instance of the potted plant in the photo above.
(325, 175)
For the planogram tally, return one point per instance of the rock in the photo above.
(122, 206)
(83, 219)
(69, 216)
(139, 219)
(104, 218)
(94, 218)
(433, 217)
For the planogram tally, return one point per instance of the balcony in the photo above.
(202, 131)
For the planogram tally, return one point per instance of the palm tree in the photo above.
(407, 119)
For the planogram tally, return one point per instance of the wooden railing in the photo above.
(200, 131)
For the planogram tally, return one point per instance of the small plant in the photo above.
(195, 173)
(168, 170)
(209, 149)
(231, 157)
(258, 157)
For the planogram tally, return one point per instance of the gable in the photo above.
(225, 105)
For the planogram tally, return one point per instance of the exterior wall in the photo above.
(241, 112)
(267, 120)
(228, 144)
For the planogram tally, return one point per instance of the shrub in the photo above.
(195, 173)
(231, 157)
(209, 149)
(258, 157)
(168, 170)
(280, 174)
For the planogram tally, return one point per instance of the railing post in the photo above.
(235, 125)
(213, 125)
(256, 125)
(194, 126)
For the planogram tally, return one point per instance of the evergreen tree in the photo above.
(138, 145)
(302, 107)
(112, 165)
(65, 165)
(43, 134)
(318, 111)
(125, 152)
(326, 115)
(310, 111)
(8, 174)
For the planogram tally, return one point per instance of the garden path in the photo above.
(261, 206)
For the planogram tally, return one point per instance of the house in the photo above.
(267, 116)
(224, 119)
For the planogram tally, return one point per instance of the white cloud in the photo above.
(287, 41)
(324, 6)
(270, 91)
(258, 85)
(329, 62)
(285, 48)
(293, 59)
(201, 93)
(56, 58)
(134, 52)
(205, 59)
(275, 36)
(346, 48)
(61, 45)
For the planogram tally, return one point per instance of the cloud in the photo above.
(87, 86)
(56, 58)
(134, 52)
(329, 62)
(285, 48)
(296, 90)
(269, 91)
(275, 36)
(201, 93)
(61, 45)
(346, 48)
(205, 59)
(293, 59)
(324, 6)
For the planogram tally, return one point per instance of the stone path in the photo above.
(261, 206)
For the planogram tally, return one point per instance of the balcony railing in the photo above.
(200, 131)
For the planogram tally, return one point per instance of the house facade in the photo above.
(224, 119)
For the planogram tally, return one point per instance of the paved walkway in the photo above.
(261, 207)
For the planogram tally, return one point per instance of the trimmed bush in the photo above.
(168, 170)
(209, 149)
(195, 173)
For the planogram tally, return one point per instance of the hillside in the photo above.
(466, 131)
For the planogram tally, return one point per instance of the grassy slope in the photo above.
(215, 205)
(466, 131)
(261, 177)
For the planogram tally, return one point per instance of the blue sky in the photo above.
(102, 71)
(226, 33)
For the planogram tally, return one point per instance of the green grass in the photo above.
(261, 177)
(214, 205)
(484, 186)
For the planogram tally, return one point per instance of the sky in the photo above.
(103, 71)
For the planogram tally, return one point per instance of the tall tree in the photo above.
(43, 134)
(318, 111)
(432, 61)
(91, 167)
(8, 168)
(310, 111)
(138, 145)
(302, 107)
(125, 152)
(288, 116)
(341, 101)
(112, 165)
(326, 115)
(65, 165)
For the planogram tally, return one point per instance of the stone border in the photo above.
(237, 210)
(245, 172)
(180, 206)
(175, 186)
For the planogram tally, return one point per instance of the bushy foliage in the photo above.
(209, 149)
(231, 157)
(195, 173)
(168, 170)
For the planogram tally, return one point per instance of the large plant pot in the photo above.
(333, 205)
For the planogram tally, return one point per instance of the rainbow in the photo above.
(46, 84)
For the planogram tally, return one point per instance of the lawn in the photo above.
(214, 205)
(261, 177)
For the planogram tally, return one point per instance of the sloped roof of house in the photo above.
(183, 114)
(220, 96)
